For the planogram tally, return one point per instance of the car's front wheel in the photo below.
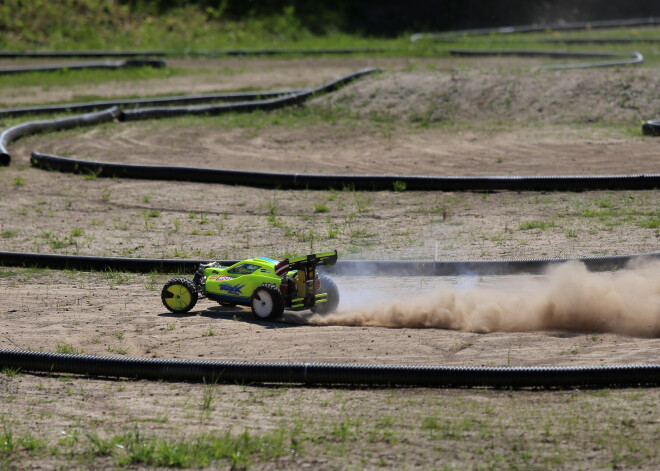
(267, 302)
(179, 295)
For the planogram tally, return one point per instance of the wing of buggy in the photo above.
(306, 262)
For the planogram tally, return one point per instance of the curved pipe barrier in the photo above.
(34, 127)
(343, 267)
(358, 182)
(169, 100)
(270, 104)
(333, 374)
(574, 26)
(624, 59)
(89, 65)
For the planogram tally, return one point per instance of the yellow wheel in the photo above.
(179, 295)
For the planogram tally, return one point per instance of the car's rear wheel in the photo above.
(179, 295)
(267, 302)
(327, 286)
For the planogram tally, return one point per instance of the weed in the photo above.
(7, 234)
(209, 332)
(119, 351)
(208, 396)
(541, 225)
(650, 223)
(321, 208)
(399, 186)
(63, 347)
(11, 371)
(333, 232)
(363, 201)
(31, 443)
(18, 181)
(7, 442)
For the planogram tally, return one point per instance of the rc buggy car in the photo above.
(268, 286)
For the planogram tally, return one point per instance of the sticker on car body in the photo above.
(232, 289)
(219, 278)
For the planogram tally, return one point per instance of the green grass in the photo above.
(82, 25)
(321, 208)
(541, 225)
(390, 427)
(9, 234)
(63, 347)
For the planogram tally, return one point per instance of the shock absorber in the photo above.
(199, 279)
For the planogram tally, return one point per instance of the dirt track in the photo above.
(156, 219)
(121, 314)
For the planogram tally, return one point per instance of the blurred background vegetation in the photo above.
(214, 24)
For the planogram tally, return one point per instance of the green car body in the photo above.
(268, 286)
(235, 284)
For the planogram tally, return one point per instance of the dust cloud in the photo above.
(568, 298)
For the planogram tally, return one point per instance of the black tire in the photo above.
(179, 295)
(331, 304)
(651, 127)
(267, 302)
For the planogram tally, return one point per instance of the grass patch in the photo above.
(540, 225)
(67, 348)
(650, 223)
(321, 208)
(9, 234)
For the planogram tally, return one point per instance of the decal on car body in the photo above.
(232, 289)
(220, 278)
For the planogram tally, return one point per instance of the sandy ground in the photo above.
(47, 212)
(121, 314)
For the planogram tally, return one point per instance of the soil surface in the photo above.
(440, 117)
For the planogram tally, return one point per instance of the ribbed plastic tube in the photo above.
(333, 374)
(114, 112)
(358, 182)
(342, 267)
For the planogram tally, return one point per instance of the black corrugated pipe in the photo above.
(619, 58)
(87, 65)
(539, 28)
(358, 182)
(34, 127)
(268, 104)
(82, 262)
(169, 100)
(343, 267)
(333, 374)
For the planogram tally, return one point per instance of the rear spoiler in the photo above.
(306, 261)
